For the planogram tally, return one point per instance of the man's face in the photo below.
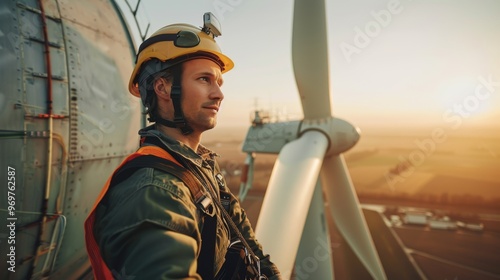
(201, 93)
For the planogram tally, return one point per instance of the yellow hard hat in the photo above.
(178, 41)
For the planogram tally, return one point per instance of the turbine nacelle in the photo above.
(272, 137)
(341, 134)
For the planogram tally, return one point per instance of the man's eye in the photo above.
(206, 79)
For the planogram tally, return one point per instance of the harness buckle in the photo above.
(206, 205)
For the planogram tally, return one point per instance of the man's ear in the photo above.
(162, 88)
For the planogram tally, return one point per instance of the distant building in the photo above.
(416, 218)
(471, 226)
(442, 223)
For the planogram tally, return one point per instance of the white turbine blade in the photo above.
(310, 58)
(314, 258)
(347, 214)
(288, 196)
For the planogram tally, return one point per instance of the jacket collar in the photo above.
(180, 148)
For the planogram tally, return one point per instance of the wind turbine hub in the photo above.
(341, 134)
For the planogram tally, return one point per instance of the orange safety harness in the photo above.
(101, 270)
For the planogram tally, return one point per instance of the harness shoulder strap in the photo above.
(161, 164)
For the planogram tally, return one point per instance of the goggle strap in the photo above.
(179, 120)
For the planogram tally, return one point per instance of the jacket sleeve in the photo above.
(149, 233)
(239, 217)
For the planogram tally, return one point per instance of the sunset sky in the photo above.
(392, 63)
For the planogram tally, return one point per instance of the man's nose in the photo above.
(217, 93)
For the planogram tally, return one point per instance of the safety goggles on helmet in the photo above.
(182, 39)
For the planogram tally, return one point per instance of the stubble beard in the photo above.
(202, 122)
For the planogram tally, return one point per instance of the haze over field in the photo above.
(450, 167)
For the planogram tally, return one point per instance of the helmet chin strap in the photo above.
(175, 94)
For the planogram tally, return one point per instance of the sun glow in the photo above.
(467, 96)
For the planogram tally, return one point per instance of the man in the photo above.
(149, 225)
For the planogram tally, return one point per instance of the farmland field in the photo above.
(459, 170)
(460, 165)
